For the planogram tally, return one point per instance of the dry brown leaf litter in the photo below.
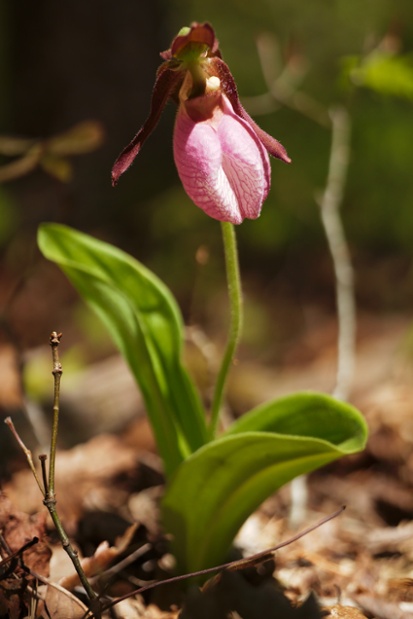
(359, 565)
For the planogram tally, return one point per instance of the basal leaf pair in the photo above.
(212, 486)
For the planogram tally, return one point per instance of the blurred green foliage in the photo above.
(385, 72)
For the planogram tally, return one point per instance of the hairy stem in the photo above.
(235, 298)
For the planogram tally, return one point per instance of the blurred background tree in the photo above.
(62, 64)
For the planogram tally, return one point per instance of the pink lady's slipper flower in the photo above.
(220, 153)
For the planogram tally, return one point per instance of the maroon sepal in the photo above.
(166, 84)
(228, 85)
(198, 33)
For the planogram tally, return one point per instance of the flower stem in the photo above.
(235, 298)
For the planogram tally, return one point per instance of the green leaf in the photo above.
(386, 73)
(146, 325)
(308, 414)
(219, 486)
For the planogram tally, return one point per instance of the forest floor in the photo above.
(359, 564)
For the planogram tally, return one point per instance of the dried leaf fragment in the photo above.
(345, 612)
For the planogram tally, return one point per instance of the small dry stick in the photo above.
(48, 486)
(330, 204)
(57, 374)
(12, 556)
(240, 564)
(50, 497)
(8, 421)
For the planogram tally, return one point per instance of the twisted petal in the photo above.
(166, 81)
(222, 164)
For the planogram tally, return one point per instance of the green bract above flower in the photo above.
(220, 153)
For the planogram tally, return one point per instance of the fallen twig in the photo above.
(240, 564)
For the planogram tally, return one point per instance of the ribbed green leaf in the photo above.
(219, 486)
(146, 325)
(316, 415)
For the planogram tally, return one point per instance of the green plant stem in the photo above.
(236, 320)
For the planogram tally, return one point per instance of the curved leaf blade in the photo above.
(218, 487)
(304, 413)
(146, 325)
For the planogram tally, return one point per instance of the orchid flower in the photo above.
(220, 153)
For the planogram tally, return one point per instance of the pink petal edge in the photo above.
(222, 164)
